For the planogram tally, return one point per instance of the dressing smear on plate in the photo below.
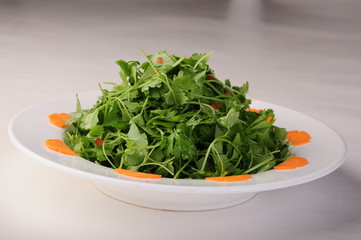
(170, 116)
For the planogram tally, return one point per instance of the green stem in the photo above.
(208, 152)
(105, 155)
(214, 88)
(157, 164)
(126, 110)
(259, 164)
(181, 169)
(179, 61)
(217, 98)
(202, 104)
(150, 62)
(201, 59)
(214, 150)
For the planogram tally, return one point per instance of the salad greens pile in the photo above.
(172, 116)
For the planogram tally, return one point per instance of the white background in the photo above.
(305, 55)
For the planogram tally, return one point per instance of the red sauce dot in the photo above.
(159, 60)
(99, 142)
(210, 77)
(215, 105)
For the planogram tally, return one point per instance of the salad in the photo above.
(173, 117)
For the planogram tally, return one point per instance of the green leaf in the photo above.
(139, 120)
(152, 83)
(133, 107)
(90, 119)
(112, 116)
(78, 105)
(148, 73)
(140, 139)
(230, 119)
(124, 72)
(175, 97)
(183, 147)
(200, 78)
(167, 62)
(96, 131)
(133, 156)
(168, 151)
(182, 81)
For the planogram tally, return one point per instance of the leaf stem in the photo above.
(104, 153)
(150, 62)
(201, 59)
(259, 164)
(181, 169)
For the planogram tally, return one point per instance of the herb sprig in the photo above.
(172, 116)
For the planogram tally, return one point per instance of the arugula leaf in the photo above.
(164, 118)
(184, 147)
(133, 157)
(176, 97)
(182, 81)
(89, 119)
(96, 131)
(157, 83)
(230, 119)
(134, 135)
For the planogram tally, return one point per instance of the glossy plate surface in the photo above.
(30, 128)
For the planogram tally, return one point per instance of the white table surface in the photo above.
(305, 55)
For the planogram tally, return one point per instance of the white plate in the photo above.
(30, 128)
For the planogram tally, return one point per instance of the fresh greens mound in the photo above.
(172, 116)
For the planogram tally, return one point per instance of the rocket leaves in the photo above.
(172, 116)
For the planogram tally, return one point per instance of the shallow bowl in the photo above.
(29, 129)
